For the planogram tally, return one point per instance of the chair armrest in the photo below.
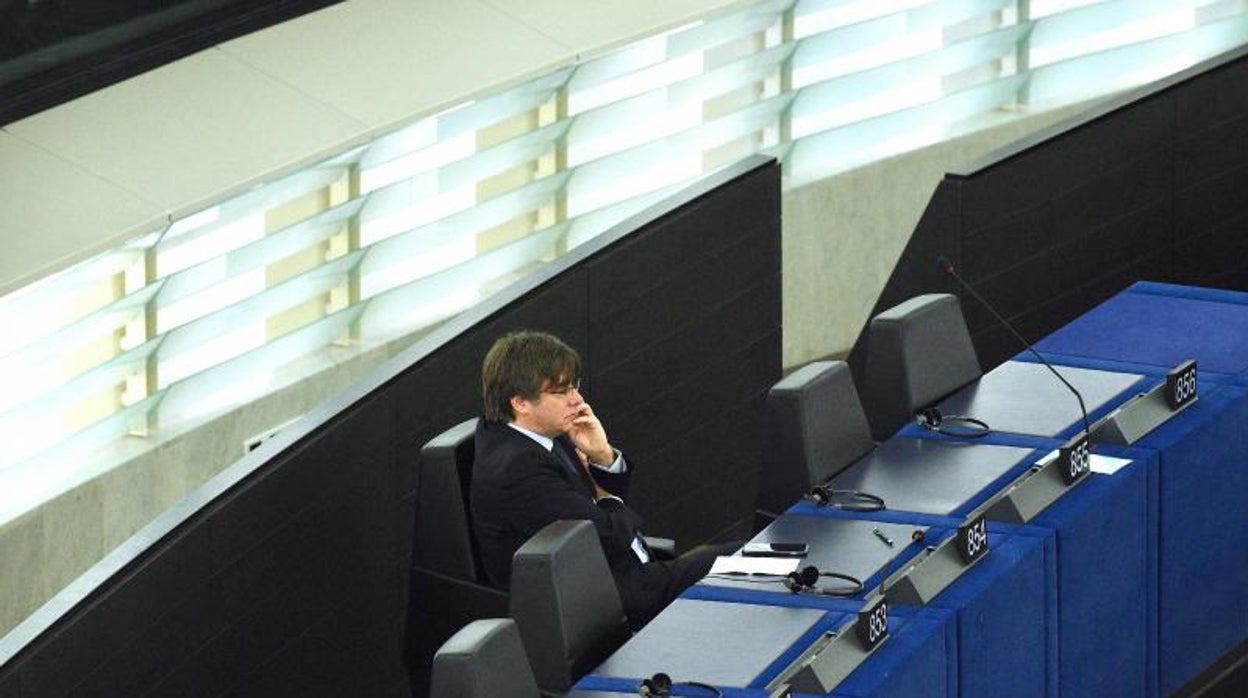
(662, 548)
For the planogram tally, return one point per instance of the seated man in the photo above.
(542, 455)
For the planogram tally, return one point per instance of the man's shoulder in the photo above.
(492, 437)
(498, 446)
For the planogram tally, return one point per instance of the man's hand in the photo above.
(587, 434)
(599, 493)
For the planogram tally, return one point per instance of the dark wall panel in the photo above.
(296, 579)
(1150, 187)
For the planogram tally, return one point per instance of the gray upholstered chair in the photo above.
(918, 352)
(485, 659)
(814, 428)
(565, 601)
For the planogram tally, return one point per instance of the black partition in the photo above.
(289, 574)
(1148, 185)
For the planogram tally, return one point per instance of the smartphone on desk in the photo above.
(775, 550)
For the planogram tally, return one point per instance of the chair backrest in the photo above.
(485, 659)
(918, 352)
(565, 601)
(814, 427)
(444, 538)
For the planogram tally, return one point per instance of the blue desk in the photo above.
(1107, 580)
(1130, 584)
(1203, 478)
(922, 647)
(1160, 325)
(1201, 608)
(727, 643)
(1106, 567)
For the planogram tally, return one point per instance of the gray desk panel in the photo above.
(930, 477)
(847, 546)
(726, 644)
(1026, 398)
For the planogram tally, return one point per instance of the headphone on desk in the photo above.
(661, 685)
(806, 581)
(954, 425)
(801, 581)
(846, 500)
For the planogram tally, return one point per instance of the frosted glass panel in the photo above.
(397, 234)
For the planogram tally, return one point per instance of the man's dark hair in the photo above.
(519, 363)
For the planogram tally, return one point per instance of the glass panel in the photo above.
(1104, 26)
(256, 255)
(240, 327)
(657, 164)
(840, 148)
(255, 373)
(895, 86)
(62, 464)
(54, 359)
(39, 309)
(438, 296)
(655, 114)
(403, 232)
(1129, 66)
(432, 195)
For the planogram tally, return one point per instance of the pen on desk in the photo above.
(880, 534)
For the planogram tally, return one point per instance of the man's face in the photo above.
(553, 410)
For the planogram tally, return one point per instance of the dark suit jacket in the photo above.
(518, 487)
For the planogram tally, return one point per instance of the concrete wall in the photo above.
(844, 234)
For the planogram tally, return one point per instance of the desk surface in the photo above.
(725, 644)
(928, 476)
(1044, 592)
(846, 546)
(1025, 398)
(1149, 328)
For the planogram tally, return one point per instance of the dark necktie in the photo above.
(578, 471)
(569, 462)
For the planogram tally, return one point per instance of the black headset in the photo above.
(806, 581)
(955, 425)
(661, 685)
(846, 500)
(802, 581)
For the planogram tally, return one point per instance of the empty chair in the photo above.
(485, 659)
(918, 352)
(814, 427)
(565, 601)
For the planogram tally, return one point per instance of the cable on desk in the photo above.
(953, 425)
(846, 500)
(661, 685)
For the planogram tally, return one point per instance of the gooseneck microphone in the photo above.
(947, 267)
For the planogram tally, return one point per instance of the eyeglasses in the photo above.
(563, 390)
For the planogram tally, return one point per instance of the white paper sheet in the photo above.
(737, 564)
(1105, 465)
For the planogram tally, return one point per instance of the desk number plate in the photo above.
(972, 539)
(872, 626)
(1073, 459)
(1181, 385)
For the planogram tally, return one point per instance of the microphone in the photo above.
(947, 268)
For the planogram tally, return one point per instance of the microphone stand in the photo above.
(947, 267)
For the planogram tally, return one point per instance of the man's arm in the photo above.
(541, 495)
